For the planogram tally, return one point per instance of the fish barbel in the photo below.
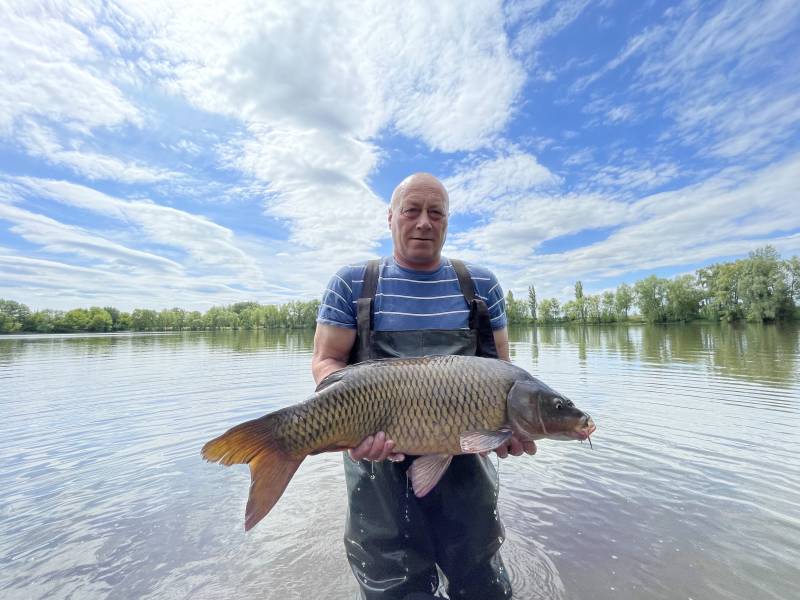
(434, 406)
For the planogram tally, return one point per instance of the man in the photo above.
(411, 304)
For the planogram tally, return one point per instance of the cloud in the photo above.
(207, 244)
(51, 69)
(356, 70)
(479, 187)
(716, 70)
(519, 227)
(727, 215)
(58, 238)
(536, 30)
(40, 141)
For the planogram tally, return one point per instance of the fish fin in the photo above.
(330, 379)
(271, 468)
(483, 441)
(426, 471)
(269, 475)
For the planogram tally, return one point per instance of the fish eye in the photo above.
(559, 405)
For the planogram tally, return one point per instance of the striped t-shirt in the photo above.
(409, 300)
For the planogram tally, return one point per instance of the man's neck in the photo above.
(413, 266)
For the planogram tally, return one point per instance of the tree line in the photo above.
(759, 288)
(16, 317)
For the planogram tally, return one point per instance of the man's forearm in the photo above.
(320, 369)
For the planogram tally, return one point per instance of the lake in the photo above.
(692, 489)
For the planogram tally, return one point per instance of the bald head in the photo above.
(418, 180)
(418, 220)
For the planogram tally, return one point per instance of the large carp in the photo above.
(435, 406)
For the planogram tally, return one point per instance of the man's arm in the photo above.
(332, 347)
(501, 342)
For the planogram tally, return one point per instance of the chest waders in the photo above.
(393, 539)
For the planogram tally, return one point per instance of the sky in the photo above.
(191, 154)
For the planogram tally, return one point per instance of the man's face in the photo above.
(419, 224)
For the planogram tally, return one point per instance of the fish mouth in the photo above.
(584, 432)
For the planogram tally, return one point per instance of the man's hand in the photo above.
(376, 447)
(515, 447)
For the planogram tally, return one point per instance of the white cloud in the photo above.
(479, 187)
(536, 30)
(723, 216)
(519, 227)
(716, 70)
(58, 238)
(313, 97)
(40, 141)
(207, 244)
(51, 70)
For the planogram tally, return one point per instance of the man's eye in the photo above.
(411, 212)
(436, 214)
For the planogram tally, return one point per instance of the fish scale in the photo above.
(422, 404)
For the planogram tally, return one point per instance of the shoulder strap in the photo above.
(370, 278)
(464, 279)
(364, 308)
(479, 318)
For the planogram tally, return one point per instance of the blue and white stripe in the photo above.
(408, 300)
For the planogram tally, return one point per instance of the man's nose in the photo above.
(424, 221)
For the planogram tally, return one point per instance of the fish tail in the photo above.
(271, 468)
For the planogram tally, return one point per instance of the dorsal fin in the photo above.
(330, 379)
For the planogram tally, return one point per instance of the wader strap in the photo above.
(479, 318)
(364, 312)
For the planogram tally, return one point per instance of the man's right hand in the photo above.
(376, 447)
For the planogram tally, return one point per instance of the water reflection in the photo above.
(766, 353)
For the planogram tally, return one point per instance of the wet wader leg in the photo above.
(462, 513)
(391, 556)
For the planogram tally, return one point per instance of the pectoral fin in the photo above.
(426, 472)
(483, 441)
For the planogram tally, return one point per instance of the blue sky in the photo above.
(186, 154)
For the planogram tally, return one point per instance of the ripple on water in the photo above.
(691, 489)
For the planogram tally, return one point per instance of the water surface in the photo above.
(692, 489)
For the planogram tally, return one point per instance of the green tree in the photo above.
(515, 309)
(124, 322)
(580, 303)
(719, 285)
(99, 320)
(115, 317)
(608, 307)
(76, 319)
(532, 302)
(549, 310)
(143, 319)
(792, 268)
(592, 308)
(571, 310)
(762, 286)
(651, 298)
(683, 298)
(43, 321)
(623, 300)
(13, 316)
(219, 317)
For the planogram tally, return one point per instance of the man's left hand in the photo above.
(515, 447)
